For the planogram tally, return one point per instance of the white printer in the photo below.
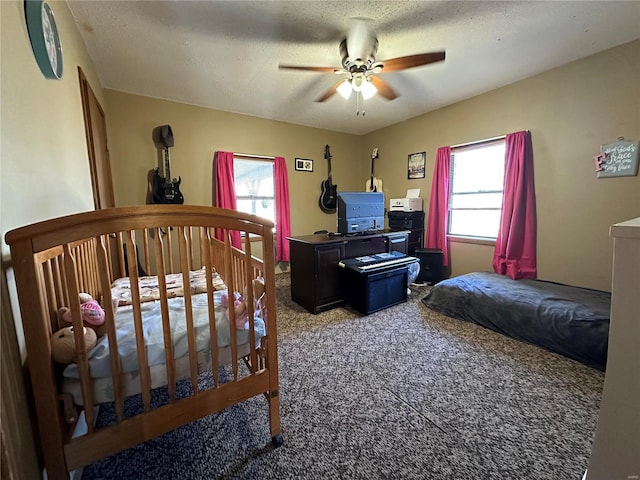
(410, 203)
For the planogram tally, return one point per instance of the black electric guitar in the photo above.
(164, 189)
(329, 195)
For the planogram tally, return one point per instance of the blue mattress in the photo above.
(571, 321)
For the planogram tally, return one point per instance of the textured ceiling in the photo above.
(225, 55)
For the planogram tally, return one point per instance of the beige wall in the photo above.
(199, 132)
(44, 172)
(570, 111)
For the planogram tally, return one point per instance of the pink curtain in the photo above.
(515, 252)
(283, 221)
(439, 205)
(225, 191)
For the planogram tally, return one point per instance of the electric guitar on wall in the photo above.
(329, 195)
(164, 189)
(373, 184)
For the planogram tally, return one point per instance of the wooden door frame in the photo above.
(98, 196)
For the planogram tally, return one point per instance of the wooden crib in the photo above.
(56, 260)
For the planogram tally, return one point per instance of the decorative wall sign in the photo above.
(304, 164)
(618, 159)
(417, 162)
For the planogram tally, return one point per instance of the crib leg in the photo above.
(277, 440)
(274, 418)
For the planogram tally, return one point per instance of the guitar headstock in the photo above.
(327, 153)
(374, 154)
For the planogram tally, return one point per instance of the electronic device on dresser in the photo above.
(412, 221)
(164, 189)
(360, 212)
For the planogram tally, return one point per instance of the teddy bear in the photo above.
(63, 344)
(91, 312)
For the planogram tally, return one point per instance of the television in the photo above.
(360, 212)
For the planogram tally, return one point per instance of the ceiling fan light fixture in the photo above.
(357, 81)
(368, 90)
(344, 89)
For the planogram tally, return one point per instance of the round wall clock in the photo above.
(44, 36)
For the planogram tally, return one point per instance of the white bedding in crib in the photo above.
(99, 356)
(103, 387)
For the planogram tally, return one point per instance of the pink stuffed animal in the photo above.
(240, 307)
(90, 311)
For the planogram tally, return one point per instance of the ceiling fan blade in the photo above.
(329, 93)
(402, 63)
(383, 88)
(310, 69)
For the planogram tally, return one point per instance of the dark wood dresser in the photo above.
(315, 275)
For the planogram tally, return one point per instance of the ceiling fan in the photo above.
(358, 52)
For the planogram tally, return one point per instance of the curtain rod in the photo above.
(247, 155)
(477, 142)
(501, 137)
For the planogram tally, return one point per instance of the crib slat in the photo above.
(57, 282)
(145, 239)
(116, 367)
(231, 311)
(250, 302)
(143, 364)
(169, 249)
(186, 283)
(189, 249)
(86, 382)
(121, 249)
(164, 309)
(49, 286)
(206, 240)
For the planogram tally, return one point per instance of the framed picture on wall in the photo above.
(304, 164)
(417, 163)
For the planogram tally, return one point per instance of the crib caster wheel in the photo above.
(277, 440)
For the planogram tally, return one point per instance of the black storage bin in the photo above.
(412, 221)
(370, 292)
(430, 265)
(405, 220)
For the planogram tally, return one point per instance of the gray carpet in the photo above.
(403, 393)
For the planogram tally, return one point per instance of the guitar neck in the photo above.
(327, 156)
(167, 168)
(374, 155)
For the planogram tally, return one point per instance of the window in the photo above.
(254, 185)
(475, 189)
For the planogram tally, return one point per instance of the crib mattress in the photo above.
(100, 360)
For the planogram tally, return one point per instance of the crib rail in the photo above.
(57, 260)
